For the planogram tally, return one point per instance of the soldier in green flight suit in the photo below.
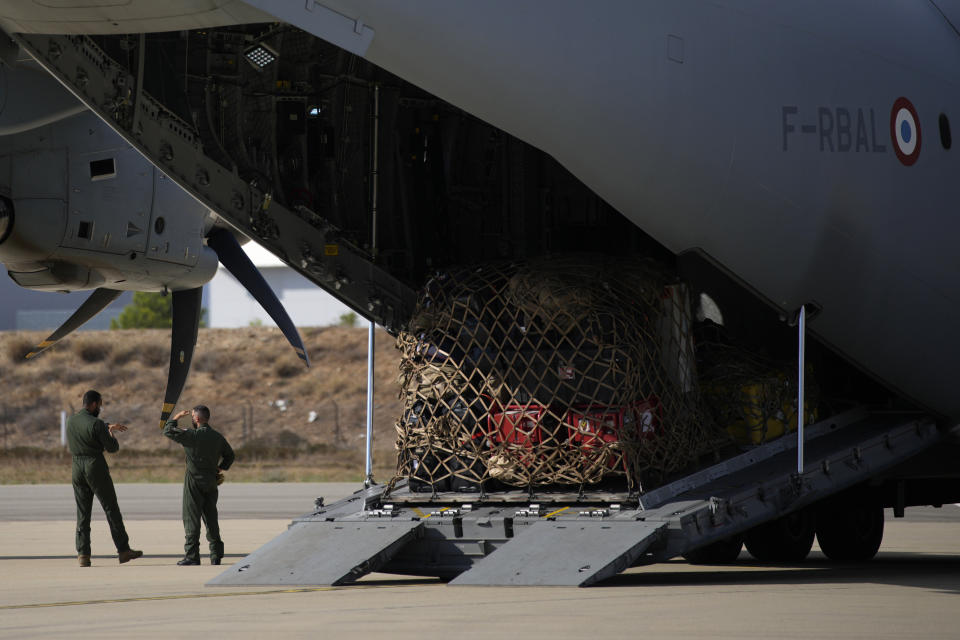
(88, 437)
(208, 455)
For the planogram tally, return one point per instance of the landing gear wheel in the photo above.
(723, 551)
(786, 539)
(850, 532)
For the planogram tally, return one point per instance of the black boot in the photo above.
(188, 562)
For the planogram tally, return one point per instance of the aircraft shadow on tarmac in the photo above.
(940, 572)
(107, 556)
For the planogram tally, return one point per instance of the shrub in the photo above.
(154, 355)
(18, 348)
(149, 310)
(289, 370)
(93, 350)
(121, 358)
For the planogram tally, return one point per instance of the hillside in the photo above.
(259, 393)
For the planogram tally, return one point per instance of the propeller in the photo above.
(233, 257)
(186, 315)
(186, 324)
(97, 302)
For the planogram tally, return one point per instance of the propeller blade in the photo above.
(232, 256)
(186, 322)
(93, 305)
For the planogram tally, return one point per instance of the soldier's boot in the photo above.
(187, 562)
(216, 551)
(129, 554)
(84, 560)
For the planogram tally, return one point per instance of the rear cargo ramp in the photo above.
(579, 539)
(565, 553)
(321, 553)
(721, 501)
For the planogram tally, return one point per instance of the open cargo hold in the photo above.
(568, 371)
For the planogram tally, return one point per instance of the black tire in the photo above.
(850, 532)
(724, 551)
(786, 539)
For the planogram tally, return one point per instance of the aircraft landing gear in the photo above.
(786, 539)
(723, 551)
(850, 530)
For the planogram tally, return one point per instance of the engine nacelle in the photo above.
(82, 209)
(26, 229)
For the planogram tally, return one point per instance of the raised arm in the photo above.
(175, 433)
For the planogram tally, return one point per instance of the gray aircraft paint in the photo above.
(50, 175)
(125, 16)
(48, 101)
(673, 112)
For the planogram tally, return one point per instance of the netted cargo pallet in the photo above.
(748, 393)
(562, 371)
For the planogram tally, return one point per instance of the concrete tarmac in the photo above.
(161, 501)
(909, 590)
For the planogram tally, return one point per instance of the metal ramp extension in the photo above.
(714, 504)
(565, 553)
(321, 553)
(572, 544)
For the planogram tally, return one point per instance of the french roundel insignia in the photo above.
(905, 131)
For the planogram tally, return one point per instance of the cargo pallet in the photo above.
(578, 539)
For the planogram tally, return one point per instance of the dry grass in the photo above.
(33, 466)
(259, 393)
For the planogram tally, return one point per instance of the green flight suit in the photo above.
(87, 439)
(207, 452)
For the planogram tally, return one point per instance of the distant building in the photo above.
(26, 310)
(229, 304)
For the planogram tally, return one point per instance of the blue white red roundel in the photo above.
(905, 131)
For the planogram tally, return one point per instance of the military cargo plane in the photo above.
(775, 154)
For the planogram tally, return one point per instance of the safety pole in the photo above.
(368, 478)
(801, 329)
(63, 428)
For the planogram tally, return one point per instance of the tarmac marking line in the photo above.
(186, 596)
(553, 513)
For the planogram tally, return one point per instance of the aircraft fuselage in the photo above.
(805, 147)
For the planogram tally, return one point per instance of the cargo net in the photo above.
(565, 372)
(750, 394)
